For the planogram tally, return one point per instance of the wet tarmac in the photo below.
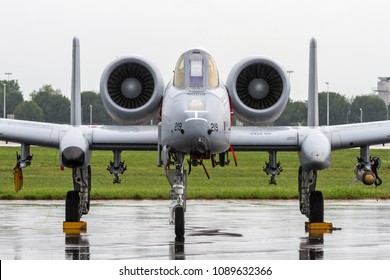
(217, 230)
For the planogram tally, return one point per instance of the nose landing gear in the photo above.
(177, 178)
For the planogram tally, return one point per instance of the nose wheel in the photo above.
(179, 223)
(177, 210)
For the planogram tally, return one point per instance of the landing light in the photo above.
(196, 105)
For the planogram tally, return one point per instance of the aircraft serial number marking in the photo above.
(214, 127)
(260, 133)
(128, 131)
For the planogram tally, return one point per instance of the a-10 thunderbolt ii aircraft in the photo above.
(195, 111)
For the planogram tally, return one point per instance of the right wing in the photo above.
(358, 134)
(288, 138)
(265, 138)
(313, 144)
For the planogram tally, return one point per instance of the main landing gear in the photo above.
(78, 201)
(311, 202)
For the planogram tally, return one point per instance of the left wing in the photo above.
(286, 138)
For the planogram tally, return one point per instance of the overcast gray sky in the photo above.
(353, 38)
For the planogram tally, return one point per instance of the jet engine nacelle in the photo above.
(131, 89)
(259, 90)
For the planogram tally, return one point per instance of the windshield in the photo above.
(196, 69)
(213, 80)
(178, 78)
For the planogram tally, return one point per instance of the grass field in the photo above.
(144, 180)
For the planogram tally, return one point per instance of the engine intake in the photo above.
(131, 89)
(259, 90)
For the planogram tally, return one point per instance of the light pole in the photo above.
(289, 72)
(5, 86)
(327, 104)
(8, 75)
(5, 94)
(361, 115)
(90, 114)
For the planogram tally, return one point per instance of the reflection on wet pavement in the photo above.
(234, 229)
(76, 247)
(213, 232)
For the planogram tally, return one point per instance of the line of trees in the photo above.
(50, 105)
(341, 110)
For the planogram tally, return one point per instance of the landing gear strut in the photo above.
(78, 200)
(311, 202)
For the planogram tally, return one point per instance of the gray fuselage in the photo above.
(196, 120)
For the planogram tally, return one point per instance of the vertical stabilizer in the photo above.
(312, 113)
(75, 106)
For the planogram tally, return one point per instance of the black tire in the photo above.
(222, 159)
(179, 223)
(72, 207)
(316, 201)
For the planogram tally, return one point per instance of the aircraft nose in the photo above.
(199, 150)
(199, 146)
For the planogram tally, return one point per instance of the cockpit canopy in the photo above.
(196, 69)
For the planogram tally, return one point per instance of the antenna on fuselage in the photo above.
(75, 106)
(312, 106)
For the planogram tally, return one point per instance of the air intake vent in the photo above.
(130, 85)
(259, 86)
